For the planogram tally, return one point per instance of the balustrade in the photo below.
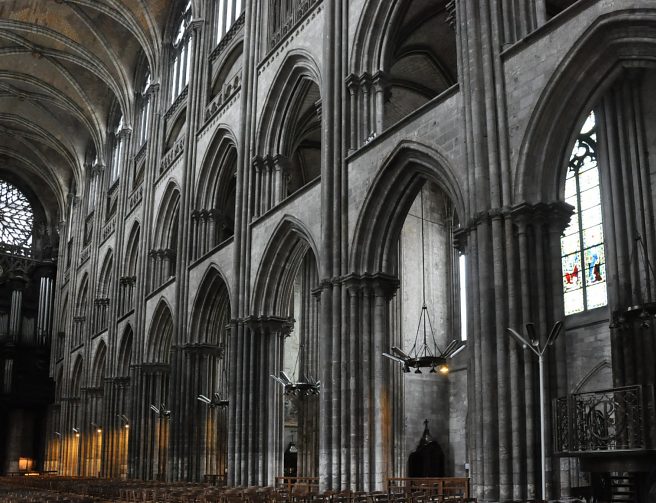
(602, 421)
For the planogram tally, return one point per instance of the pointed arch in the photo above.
(105, 277)
(612, 43)
(63, 315)
(76, 378)
(166, 230)
(132, 251)
(218, 168)
(595, 372)
(283, 256)
(125, 352)
(98, 368)
(367, 54)
(82, 300)
(389, 199)
(211, 312)
(59, 384)
(213, 220)
(297, 69)
(160, 334)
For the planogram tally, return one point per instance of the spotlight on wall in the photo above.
(161, 411)
(76, 431)
(124, 420)
(98, 428)
(216, 401)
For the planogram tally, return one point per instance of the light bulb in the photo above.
(444, 369)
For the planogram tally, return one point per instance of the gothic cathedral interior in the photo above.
(351, 240)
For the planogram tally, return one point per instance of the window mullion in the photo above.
(581, 244)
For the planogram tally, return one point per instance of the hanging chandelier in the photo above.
(425, 355)
(306, 386)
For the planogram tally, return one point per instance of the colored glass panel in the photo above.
(596, 296)
(573, 226)
(592, 235)
(570, 244)
(574, 302)
(590, 198)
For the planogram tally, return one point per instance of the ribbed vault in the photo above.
(63, 63)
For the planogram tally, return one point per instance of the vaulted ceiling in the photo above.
(63, 65)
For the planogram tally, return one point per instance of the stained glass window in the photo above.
(582, 245)
(16, 217)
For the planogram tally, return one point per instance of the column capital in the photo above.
(270, 325)
(560, 215)
(258, 162)
(196, 25)
(124, 132)
(352, 83)
(381, 284)
(98, 168)
(152, 89)
(379, 80)
(72, 198)
(521, 214)
(18, 283)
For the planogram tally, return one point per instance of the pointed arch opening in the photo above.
(93, 433)
(213, 220)
(210, 328)
(398, 69)
(407, 259)
(128, 281)
(160, 335)
(81, 309)
(163, 257)
(288, 292)
(289, 142)
(103, 293)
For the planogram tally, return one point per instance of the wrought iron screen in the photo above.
(608, 420)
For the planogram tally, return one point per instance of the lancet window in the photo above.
(582, 245)
(144, 112)
(181, 56)
(226, 12)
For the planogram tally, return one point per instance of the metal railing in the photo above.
(610, 420)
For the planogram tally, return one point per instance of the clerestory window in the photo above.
(582, 245)
(144, 112)
(226, 12)
(118, 145)
(181, 56)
